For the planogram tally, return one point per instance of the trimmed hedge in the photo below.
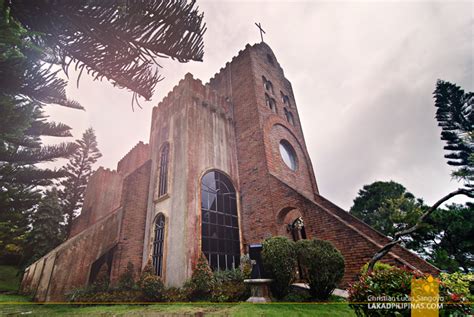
(322, 265)
(279, 261)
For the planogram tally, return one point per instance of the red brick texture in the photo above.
(132, 229)
(271, 193)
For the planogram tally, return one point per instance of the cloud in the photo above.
(362, 74)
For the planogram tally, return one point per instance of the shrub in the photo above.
(229, 286)
(322, 264)
(393, 282)
(396, 284)
(297, 295)
(202, 281)
(175, 294)
(151, 285)
(377, 267)
(126, 281)
(245, 266)
(458, 283)
(279, 261)
(91, 295)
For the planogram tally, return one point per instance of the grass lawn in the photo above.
(15, 305)
(9, 281)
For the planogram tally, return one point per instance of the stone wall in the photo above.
(67, 267)
(197, 123)
(102, 197)
(132, 231)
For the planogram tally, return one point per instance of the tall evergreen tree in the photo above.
(455, 115)
(78, 171)
(25, 87)
(46, 232)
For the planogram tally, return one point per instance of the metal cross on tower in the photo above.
(261, 30)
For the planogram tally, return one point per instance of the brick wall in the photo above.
(102, 197)
(67, 267)
(138, 155)
(132, 230)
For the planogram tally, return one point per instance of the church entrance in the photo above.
(297, 231)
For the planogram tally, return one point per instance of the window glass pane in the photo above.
(220, 202)
(205, 216)
(205, 245)
(288, 154)
(213, 217)
(212, 201)
(235, 222)
(220, 232)
(233, 206)
(158, 241)
(213, 261)
(213, 245)
(205, 230)
(222, 264)
(220, 219)
(228, 220)
(213, 231)
(204, 200)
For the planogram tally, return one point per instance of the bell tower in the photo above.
(270, 142)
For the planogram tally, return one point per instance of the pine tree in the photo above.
(46, 232)
(78, 171)
(25, 87)
(455, 115)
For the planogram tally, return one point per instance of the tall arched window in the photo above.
(157, 256)
(270, 103)
(220, 225)
(289, 116)
(267, 84)
(163, 180)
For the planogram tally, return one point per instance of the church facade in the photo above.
(226, 166)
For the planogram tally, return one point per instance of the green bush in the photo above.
(229, 286)
(377, 267)
(202, 282)
(458, 283)
(393, 282)
(151, 285)
(127, 279)
(322, 264)
(175, 294)
(297, 295)
(279, 261)
(396, 284)
(91, 295)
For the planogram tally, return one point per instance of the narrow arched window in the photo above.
(289, 116)
(220, 225)
(158, 243)
(270, 103)
(267, 84)
(163, 180)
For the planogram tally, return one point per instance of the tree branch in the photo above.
(397, 238)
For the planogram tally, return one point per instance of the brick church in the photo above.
(226, 166)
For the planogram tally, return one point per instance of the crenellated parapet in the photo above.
(201, 95)
(138, 155)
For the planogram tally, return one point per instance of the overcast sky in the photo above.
(363, 74)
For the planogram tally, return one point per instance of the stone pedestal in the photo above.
(259, 290)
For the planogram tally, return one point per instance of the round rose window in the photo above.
(288, 154)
